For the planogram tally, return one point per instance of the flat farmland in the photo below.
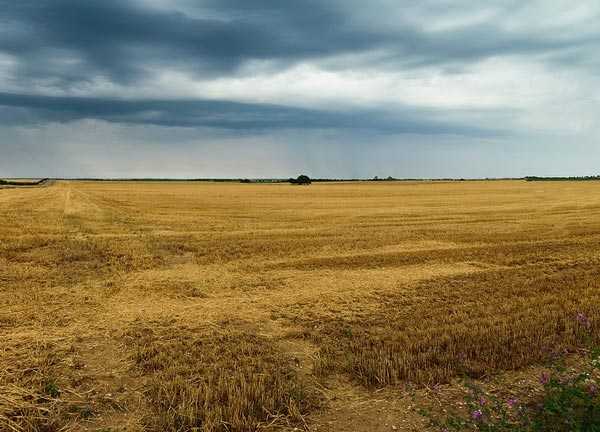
(179, 306)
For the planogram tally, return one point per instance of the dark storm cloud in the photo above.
(26, 109)
(120, 39)
(69, 41)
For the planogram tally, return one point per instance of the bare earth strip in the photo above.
(168, 306)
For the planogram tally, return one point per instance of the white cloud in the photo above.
(544, 97)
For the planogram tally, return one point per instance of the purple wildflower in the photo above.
(583, 320)
(593, 390)
(477, 415)
(482, 401)
(544, 378)
(511, 402)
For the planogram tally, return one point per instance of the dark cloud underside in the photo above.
(121, 39)
(227, 115)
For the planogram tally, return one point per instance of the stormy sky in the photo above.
(272, 88)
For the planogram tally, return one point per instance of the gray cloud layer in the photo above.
(226, 115)
(65, 61)
(121, 39)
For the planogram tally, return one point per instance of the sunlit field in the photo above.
(173, 306)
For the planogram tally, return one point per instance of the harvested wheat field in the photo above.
(174, 306)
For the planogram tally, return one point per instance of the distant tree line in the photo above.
(21, 183)
(584, 178)
(302, 180)
(389, 178)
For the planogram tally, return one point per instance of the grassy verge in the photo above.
(569, 401)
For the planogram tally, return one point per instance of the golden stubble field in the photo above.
(172, 306)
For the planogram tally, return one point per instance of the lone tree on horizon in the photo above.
(301, 180)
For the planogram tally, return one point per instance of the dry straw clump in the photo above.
(31, 394)
(218, 380)
(20, 409)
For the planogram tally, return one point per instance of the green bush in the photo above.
(301, 180)
(567, 404)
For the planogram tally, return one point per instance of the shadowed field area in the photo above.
(130, 306)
